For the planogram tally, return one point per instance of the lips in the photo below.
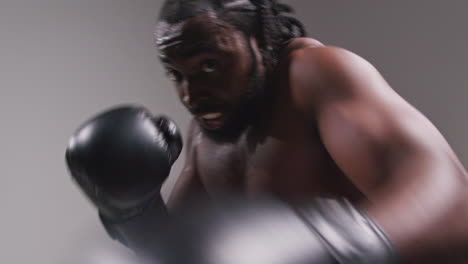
(211, 115)
(212, 121)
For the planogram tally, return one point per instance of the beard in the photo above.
(244, 110)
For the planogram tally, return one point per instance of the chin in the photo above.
(237, 117)
(229, 131)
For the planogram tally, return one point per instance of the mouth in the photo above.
(212, 121)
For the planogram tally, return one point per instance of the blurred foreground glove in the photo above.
(120, 159)
(271, 232)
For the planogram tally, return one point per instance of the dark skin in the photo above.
(329, 124)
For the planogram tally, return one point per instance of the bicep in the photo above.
(392, 153)
(413, 182)
(365, 125)
(369, 137)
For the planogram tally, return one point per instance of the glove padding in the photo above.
(272, 232)
(120, 159)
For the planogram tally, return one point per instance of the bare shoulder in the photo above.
(192, 142)
(325, 72)
(188, 182)
(300, 43)
(326, 63)
(193, 134)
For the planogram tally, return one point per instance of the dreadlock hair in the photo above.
(265, 19)
(276, 29)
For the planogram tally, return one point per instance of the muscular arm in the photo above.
(188, 184)
(415, 185)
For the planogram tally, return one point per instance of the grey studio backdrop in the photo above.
(64, 60)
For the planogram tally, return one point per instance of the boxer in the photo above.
(276, 113)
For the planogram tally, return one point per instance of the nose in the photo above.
(194, 95)
(187, 94)
(193, 104)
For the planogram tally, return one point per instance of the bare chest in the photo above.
(293, 165)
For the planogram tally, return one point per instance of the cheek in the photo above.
(239, 70)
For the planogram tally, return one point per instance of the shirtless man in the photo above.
(280, 114)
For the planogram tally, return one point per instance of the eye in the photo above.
(209, 66)
(174, 75)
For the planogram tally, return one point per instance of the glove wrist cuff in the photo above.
(349, 235)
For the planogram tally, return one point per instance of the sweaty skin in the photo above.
(329, 124)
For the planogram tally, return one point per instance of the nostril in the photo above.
(194, 101)
(189, 103)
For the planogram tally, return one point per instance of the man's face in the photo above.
(215, 69)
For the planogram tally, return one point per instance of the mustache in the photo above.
(208, 108)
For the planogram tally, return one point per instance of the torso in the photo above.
(285, 158)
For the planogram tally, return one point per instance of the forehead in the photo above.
(207, 28)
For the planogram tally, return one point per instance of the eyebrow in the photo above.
(190, 52)
(197, 49)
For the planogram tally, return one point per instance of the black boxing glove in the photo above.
(120, 159)
(327, 231)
